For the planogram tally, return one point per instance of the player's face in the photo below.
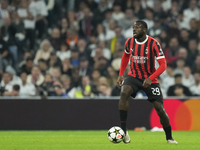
(138, 30)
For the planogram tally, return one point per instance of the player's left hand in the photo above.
(147, 83)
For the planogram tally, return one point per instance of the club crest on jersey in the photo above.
(146, 50)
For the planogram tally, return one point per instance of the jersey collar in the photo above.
(143, 41)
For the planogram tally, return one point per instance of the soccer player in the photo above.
(142, 50)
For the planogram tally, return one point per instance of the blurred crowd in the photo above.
(73, 48)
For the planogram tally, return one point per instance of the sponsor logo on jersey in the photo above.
(139, 59)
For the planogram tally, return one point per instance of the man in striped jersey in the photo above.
(142, 50)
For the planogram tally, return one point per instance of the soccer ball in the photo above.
(115, 134)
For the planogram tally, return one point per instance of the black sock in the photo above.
(123, 117)
(168, 132)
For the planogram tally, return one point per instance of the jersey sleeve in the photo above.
(126, 47)
(158, 50)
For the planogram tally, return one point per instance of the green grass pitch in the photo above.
(95, 140)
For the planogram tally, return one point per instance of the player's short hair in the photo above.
(143, 23)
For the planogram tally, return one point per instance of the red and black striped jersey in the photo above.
(142, 56)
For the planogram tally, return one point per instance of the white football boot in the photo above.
(172, 141)
(127, 138)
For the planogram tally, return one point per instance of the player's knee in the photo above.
(125, 93)
(160, 111)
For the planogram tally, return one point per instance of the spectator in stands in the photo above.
(184, 38)
(104, 51)
(54, 60)
(27, 67)
(41, 13)
(42, 64)
(164, 39)
(137, 9)
(195, 89)
(126, 22)
(180, 63)
(15, 91)
(101, 64)
(28, 16)
(72, 38)
(182, 53)
(178, 91)
(64, 26)
(55, 73)
(102, 85)
(112, 76)
(94, 80)
(196, 67)
(64, 51)
(18, 31)
(66, 81)
(75, 57)
(67, 67)
(46, 89)
(76, 78)
(107, 18)
(36, 78)
(59, 91)
(118, 38)
(6, 81)
(82, 47)
(14, 78)
(174, 10)
(92, 4)
(101, 32)
(187, 78)
(99, 12)
(26, 89)
(149, 17)
(8, 36)
(191, 12)
(73, 23)
(117, 58)
(104, 91)
(4, 51)
(173, 30)
(168, 79)
(171, 53)
(156, 29)
(178, 81)
(55, 39)
(86, 25)
(84, 90)
(26, 55)
(92, 42)
(44, 51)
(193, 28)
(198, 40)
(117, 12)
(181, 21)
(84, 68)
(193, 52)
(3, 10)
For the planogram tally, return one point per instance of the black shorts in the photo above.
(153, 92)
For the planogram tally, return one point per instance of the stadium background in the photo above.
(72, 49)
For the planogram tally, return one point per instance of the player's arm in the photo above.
(162, 65)
(124, 63)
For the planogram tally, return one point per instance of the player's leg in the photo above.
(126, 92)
(164, 120)
(154, 94)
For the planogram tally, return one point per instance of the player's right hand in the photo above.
(120, 80)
